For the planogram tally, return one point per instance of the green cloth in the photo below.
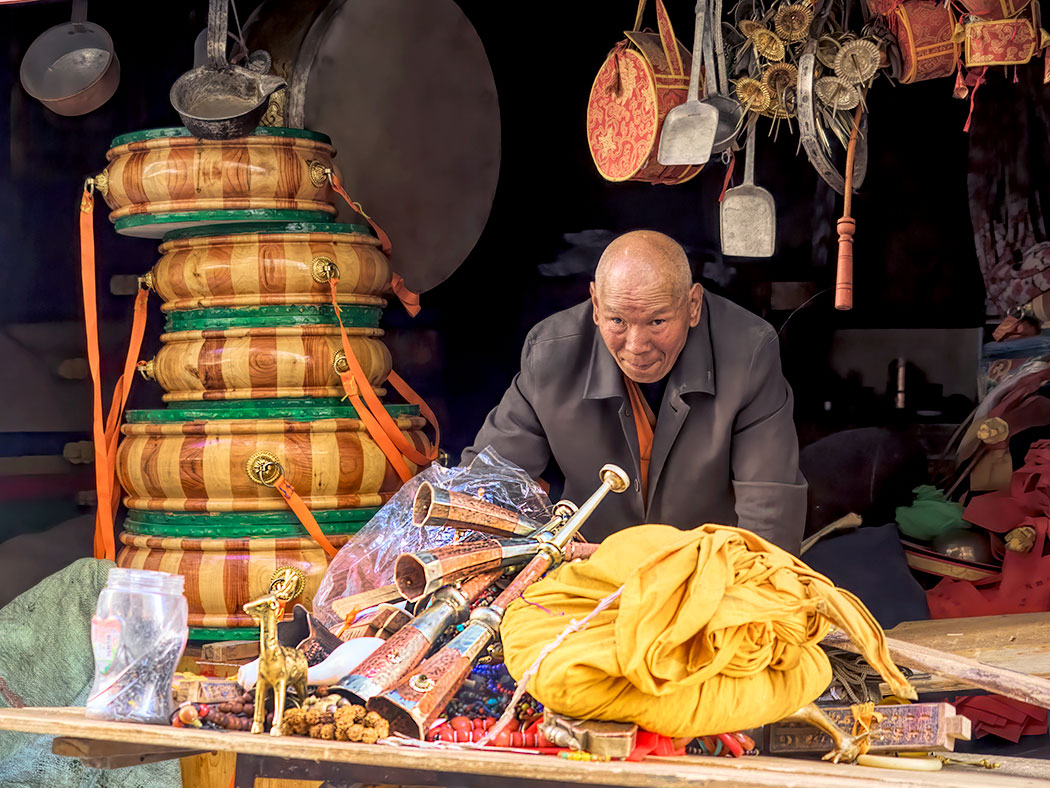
(930, 515)
(46, 660)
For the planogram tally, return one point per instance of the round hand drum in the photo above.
(253, 264)
(165, 179)
(193, 460)
(406, 91)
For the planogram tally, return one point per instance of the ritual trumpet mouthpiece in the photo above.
(437, 507)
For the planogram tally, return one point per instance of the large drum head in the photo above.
(405, 90)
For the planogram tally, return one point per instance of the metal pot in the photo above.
(220, 101)
(71, 69)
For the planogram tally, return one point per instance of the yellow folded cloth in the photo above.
(716, 630)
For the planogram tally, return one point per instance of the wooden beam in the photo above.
(1008, 683)
(115, 754)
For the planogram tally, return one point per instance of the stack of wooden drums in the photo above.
(249, 366)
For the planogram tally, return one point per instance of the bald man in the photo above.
(679, 387)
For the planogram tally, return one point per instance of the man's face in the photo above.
(644, 324)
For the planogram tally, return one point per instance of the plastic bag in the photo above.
(367, 560)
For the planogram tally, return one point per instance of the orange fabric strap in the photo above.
(355, 383)
(409, 298)
(644, 423)
(104, 543)
(302, 512)
(384, 239)
(375, 410)
(105, 433)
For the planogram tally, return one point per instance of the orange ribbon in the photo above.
(302, 512)
(105, 434)
(409, 298)
(394, 443)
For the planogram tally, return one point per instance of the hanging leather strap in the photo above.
(409, 298)
(105, 433)
(644, 424)
(371, 410)
(303, 514)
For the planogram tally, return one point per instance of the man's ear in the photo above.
(696, 300)
(594, 303)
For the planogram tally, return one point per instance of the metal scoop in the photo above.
(689, 129)
(220, 101)
(748, 218)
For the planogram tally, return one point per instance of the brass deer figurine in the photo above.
(280, 667)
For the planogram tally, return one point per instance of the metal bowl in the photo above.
(71, 68)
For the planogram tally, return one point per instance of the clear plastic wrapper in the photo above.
(367, 560)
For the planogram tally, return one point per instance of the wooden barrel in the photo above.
(165, 179)
(223, 574)
(263, 362)
(237, 525)
(199, 458)
(255, 264)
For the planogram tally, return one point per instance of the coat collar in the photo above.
(694, 371)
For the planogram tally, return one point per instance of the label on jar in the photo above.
(105, 641)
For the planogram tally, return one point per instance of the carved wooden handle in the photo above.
(844, 274)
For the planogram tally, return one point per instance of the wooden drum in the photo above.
(246, 356)
(202, 458)
(223, 574)
(165, 179)
(255, 264)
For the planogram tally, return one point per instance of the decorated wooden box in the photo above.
(265, 352)
(254, 264)
(204, 458)
(165, 179)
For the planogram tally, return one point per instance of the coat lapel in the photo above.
(605, 381)
(693, 372)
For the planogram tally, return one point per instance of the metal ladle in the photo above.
(220, 101)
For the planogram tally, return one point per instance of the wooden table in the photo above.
(115, 745)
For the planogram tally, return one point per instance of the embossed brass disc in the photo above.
(287, 583)
(264, 467)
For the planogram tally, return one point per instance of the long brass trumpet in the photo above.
(406, 648)
(434, 506)
(419, 698)
(419, 574)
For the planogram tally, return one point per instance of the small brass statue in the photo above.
(280, 667)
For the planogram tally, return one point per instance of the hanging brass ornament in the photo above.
(827, 49)
(857, 61)
(767, 44)
(836, 93)
(792, 22)
(779, 77)
(752, 94)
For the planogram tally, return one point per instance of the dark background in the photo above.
(915, 264)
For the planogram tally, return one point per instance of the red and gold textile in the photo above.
(641, 80)
(925, 30)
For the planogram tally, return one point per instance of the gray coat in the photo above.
(724, 450)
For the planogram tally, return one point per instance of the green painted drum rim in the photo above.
(149, 517)
(245, 228)
(181, 131)
(288, 410)
(238, 530)
(156, 225)
(212, 634)
(224, 317)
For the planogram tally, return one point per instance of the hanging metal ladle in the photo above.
(220, 101)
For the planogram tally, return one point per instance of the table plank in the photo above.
(753, 772)
(1018, 642)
